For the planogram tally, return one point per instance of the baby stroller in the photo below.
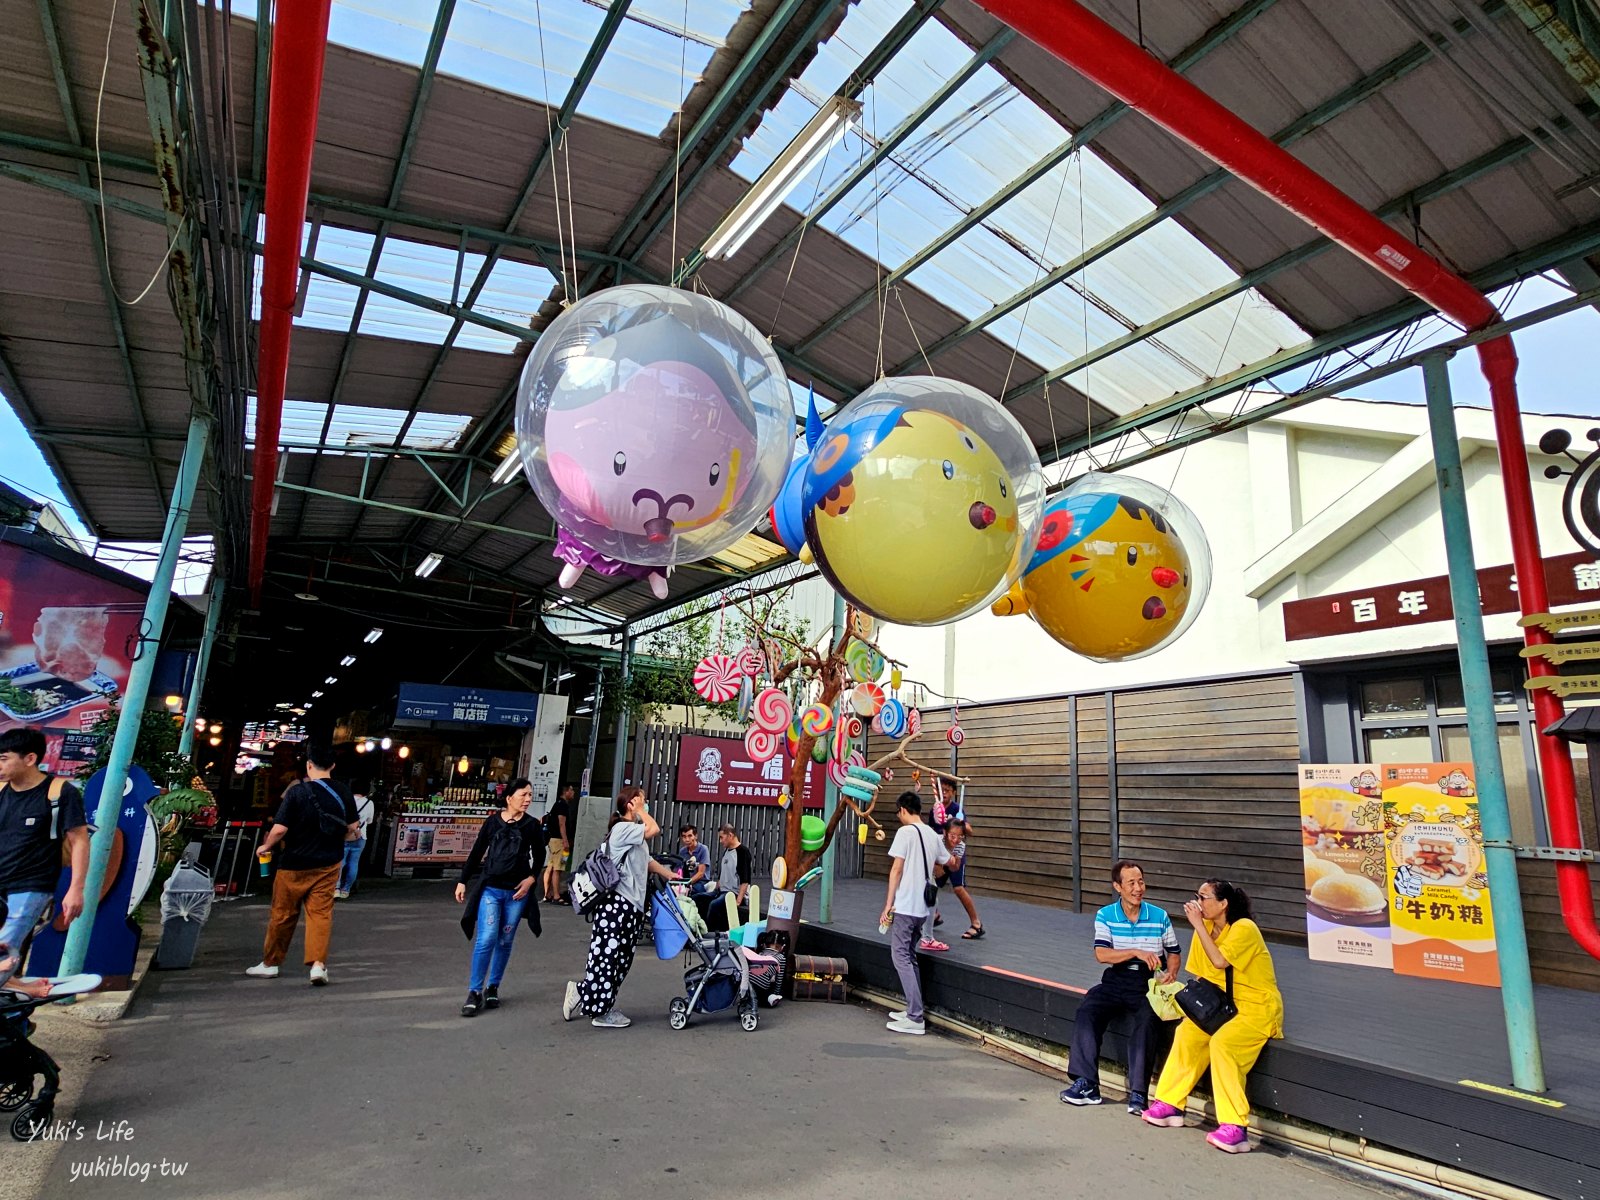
(21, 1062)
(719, 974)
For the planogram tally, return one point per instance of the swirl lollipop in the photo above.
(716, 678)
(955, 735)
(853, 729)
(794, 737)
(892, 719)
(839, 769)
(841, 741)
(751, 661)
(914, 722)
(772, 711)
(865, 663)
(760, 744)
(816, 719)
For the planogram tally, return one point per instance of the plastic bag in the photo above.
(1163, 998)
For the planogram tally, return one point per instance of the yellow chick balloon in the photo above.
(922, 500)
(1122, 569)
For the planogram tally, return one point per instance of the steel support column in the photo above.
(201, 665)
(830, 803)
(1494, 813)
(115, 776)
(619, 757)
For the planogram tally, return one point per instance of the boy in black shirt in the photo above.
(37, 813)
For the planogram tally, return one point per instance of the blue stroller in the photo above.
(719, 974)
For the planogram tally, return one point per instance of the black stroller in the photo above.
(30, 1078)
(720, 973)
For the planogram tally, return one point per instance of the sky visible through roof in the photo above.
(984, 135)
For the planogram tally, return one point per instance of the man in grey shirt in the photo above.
(734, 877)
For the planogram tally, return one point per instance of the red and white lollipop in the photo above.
(716, 678)
(772, 711)
(761, 744)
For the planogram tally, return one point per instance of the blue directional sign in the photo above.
(470, 706)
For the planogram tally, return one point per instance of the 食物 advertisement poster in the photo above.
(1342, 840)
(1443, 927)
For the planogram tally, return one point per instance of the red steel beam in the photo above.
(299, 40)
(1099, 53)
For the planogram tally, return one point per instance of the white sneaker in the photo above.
(907, 1025)
(261, 971)
(341, 895)
(897, 1015)
(611, 1020)
(319, 975)
(571, 1003)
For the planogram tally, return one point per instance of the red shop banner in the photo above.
(1571, 579)
(65, 637)
(717, 770)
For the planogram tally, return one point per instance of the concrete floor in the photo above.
(375, 1087)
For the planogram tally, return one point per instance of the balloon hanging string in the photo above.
(567, 284)
(794, 259)
(1038, 270)
(877, 235)
(677, 156)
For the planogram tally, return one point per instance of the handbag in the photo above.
(1163, 998)
(930, 889)
(1207, 1005)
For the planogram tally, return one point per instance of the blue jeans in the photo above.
(498, 918)
(352, 864)
(22, 914)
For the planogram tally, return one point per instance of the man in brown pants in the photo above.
(312, 823)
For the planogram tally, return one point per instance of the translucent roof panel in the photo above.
(533, 48)
(353, 426)
(514, 293)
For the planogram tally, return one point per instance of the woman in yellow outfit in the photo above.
(1224, 936)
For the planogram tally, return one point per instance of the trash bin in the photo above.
(185, 906)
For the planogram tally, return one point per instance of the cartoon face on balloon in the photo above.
(654, 424)
(1122, 569)
(921, 500)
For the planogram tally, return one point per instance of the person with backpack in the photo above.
(617, 916)
(495, 887)
(354, 844)
(314, 819)
(38, 812)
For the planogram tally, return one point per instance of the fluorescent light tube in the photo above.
(824, 131)
(373, 635)
(331, 680)
(316, 695)
(347, 660)
(429, 565)
(565, 675)
(508, 468)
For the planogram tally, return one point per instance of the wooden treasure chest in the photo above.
(817, 978)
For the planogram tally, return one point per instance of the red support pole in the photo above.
(299, 40)
(1098, 52)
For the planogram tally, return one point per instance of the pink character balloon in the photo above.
(655, 426)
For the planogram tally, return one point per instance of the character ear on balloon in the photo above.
(641, 437)
(788, 510)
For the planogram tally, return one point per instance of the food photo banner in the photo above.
(65, 639)
(1341, 831)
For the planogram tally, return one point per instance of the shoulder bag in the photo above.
(1207, 1005)
(595, 880)
(930, 889)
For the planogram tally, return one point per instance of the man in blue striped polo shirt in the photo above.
(1135, 940)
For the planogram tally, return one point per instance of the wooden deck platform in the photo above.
(1405, 1063)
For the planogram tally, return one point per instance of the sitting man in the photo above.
(1135, 940)
(696, 860)
(733, 879)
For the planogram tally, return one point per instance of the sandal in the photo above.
(973, 933)
(938, 920)
(931, 944)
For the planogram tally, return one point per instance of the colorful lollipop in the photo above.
(716, 678)
(772, 711)
(816, 719)
(914, 722)
(892, 720)
(865, 663)
(867, 699)
(794, 737)
(841, 742)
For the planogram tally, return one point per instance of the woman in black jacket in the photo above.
(495, 883)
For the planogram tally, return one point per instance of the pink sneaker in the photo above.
(1159, 1112)
(1232, 1139)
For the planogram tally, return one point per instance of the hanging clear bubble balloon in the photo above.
(922, 500)
(1122, 569)
(655, 425)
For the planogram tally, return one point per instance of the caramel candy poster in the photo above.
(1438, 880)
(1341, 835)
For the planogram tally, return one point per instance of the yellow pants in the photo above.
(1230, 1055)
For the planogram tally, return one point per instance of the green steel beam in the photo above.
(1563, 43)
(580, 83)
(69, 114)
(1575, 244)
(410, 511)
(377, 212)
(397, 182)
(1218, 35)
(1450, 181)
(1341, 102)
(688, 143)
(734, 129)
(81, 191)
(1348, 383)
(866, 166)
